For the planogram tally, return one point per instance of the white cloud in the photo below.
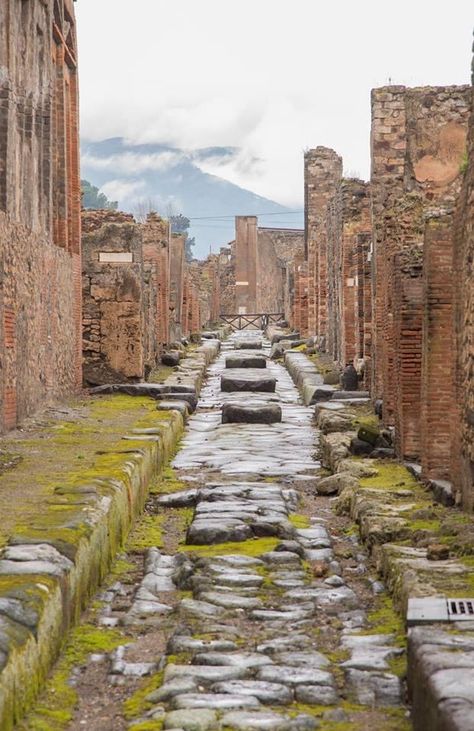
(133, 163)
(269, 77)
(117, 190)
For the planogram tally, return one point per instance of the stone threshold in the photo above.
(422, 547)
(48, 576)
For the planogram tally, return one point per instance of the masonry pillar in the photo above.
(246, 264)
(323, 171)
(177, 258)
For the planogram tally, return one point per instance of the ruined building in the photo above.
(332, 284)
(255, 271)
(138, 295)
(418, 143)
(385, 282)
(40, 243)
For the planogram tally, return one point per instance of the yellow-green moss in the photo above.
(385, 620)
(147, 726)
(148, 532)
(391, 475)
(300, 521)
(251, 547)
(137, 704)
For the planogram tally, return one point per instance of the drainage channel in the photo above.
(243, 601)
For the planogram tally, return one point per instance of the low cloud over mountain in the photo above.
(169, 180)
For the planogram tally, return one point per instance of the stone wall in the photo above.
(139, 295)
(322, 175)
(463, 433)
(418, 141)
(347, 229)
(177, 259)
(40, 281)
(114, 298)
(277, 248)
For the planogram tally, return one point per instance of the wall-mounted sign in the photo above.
(116, 257)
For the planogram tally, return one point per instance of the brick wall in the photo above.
(347, 227)
(276, 248)
(40, 283)
(437, 380)
(417, 141)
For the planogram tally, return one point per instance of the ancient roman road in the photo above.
(261, 620)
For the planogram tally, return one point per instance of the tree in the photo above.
(91, 198)
(180, 225)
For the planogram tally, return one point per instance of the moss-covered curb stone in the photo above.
(53, 565)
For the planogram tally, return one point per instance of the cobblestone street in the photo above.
(264, 614)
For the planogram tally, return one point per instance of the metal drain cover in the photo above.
(428, 610)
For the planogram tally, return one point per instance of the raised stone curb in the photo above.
(47, 578)
(306, 378)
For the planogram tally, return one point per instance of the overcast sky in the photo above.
(272, 77)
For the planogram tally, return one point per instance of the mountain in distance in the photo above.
(170, 181)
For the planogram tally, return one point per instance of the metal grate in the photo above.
(429, 610)
(459, 609)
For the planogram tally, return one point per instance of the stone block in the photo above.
(246, 361)
(251, 414)
(250, 344)
(237, 382)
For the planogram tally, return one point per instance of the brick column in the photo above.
(437, 383)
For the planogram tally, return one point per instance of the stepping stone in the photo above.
(215, 701)
(237, 382)
(192, 720)
(254, 344)
(271, 693)
(246, 361)
(251, 414)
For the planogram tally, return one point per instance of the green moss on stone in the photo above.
(299, 521)
(138, 704)
(251, 547)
